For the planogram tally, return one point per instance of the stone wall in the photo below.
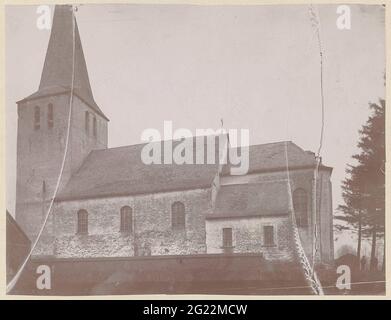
(201, 274)
(152, 233)
(326, 238)
(40, 153)
(247, 236)
(304, 179)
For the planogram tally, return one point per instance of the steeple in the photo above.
(48, 131)
(56, 75)
(57, 70)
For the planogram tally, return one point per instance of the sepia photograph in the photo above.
(181, 149)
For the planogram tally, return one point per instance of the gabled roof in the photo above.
(121, 171)
(57, 71)
(274, 156)
(253, 199)
(13, 226)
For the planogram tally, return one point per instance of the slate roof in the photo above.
(272, 156)
(13, 227)
(120, 171)
(254, 199)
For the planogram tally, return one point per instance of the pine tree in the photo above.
(363, 190)
(372, 159)
(353, 212)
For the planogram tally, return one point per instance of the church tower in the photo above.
(43, 120)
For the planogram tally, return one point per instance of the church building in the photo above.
(110, 204)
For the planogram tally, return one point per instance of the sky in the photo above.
(257, 67)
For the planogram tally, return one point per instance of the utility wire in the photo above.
(15, 279)
(309, 270)
(315, 20)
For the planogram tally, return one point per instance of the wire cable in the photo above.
(15, 279)
(316, 24)
(308, 269)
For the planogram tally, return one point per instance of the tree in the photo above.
(363, 190)
(353, 210)
(372, 160)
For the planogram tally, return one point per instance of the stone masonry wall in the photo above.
(247, 236)
(40, 153)
(303, 178)
(152, 234)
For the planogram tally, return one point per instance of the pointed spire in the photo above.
(57, 70)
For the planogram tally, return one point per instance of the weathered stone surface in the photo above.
(247, 236)
(303, 179)
(40, 153)
(153, 234)
(152, 231)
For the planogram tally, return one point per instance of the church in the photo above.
(109, 204)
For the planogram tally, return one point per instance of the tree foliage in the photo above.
(363, 190)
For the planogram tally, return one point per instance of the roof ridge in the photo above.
(252, 183)
(142, 143)
(269, 143)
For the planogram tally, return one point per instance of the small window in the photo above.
(82, 222)
(126, 219)
(94, 127)
(178, 215)
(300, 204)
(87, 122)
(50, 115)
(43, 188)
(268, 236)
(227, 237)
(37, 118)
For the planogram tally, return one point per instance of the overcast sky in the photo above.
(255, 66)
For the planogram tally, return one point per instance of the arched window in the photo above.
(37, 118)
(126, 219)
(82, 222)
(50, 115)
(178, 215)
(300, 205)
(94, 127)
(87, 121)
